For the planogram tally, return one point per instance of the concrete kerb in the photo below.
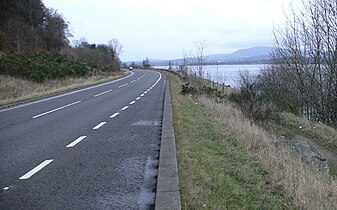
(167, 193)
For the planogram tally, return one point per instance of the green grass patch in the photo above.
(214, 171)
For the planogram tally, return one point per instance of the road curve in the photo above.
(95, 148)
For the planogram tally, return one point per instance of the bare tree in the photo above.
(116, 49)
(104, 57)
(56, 30)
(116, 46)
(197, 58)
(184, 68)
(303, 74)
(200, 57)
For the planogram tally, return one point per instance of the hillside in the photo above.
(242, 56)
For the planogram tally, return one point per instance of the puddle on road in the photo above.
(147, 193)
(140, 180)
(147, 123)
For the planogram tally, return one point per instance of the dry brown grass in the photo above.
(302, 183)
(13, 89)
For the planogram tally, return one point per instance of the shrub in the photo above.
(204, 90)
(41, 66)
(187, 89)
(251, 99)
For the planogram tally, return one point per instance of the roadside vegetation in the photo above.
(302, 78)
(37, 59)
(226, 160)
(294, 97)
(215, 171)
(15, 90)
(145, 64)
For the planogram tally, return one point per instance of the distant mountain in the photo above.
(249, 54)
(242, 56)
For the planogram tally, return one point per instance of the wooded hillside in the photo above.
(28, 26)
(34, 45)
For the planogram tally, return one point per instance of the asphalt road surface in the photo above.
(95, 148)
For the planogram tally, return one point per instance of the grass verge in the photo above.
(14, 89)
(215, 172)
(289, 125)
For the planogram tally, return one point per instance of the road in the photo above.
(95, 148)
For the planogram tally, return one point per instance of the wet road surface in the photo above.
(95, 148)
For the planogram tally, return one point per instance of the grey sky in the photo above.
(164, 28)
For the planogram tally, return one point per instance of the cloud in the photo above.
(162, 28)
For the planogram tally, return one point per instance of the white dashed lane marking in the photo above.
(36, 169)
(123, 85)
(79, 139)
(72, 144)
(99, 125)
(114, 115)
(57, 109)
(124, 108)
(76, 141)
(103, 93)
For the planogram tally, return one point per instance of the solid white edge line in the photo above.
(99, 125)
(114, 115)
(132, 102)
(76, 141)
(65, 94)
(103, 93)
(54, 110)
(36, 169)
(125, 107)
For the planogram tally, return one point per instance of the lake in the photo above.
(227, 74)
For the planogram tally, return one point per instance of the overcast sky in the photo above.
(164, 28)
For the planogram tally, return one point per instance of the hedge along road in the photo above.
(95, 148)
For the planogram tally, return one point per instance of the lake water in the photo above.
(227, 74)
